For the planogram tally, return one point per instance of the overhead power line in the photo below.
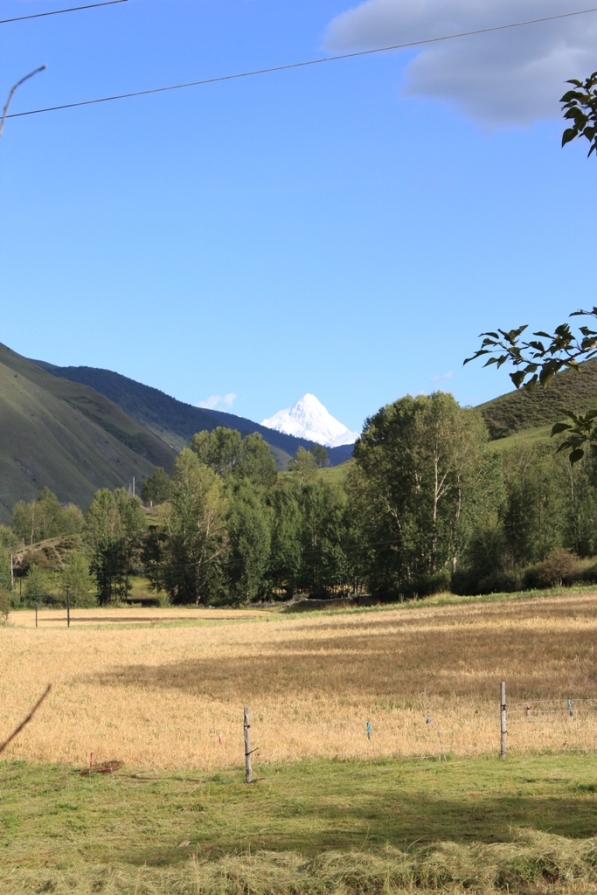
(12, 92)
(304, 64)
(58, 12)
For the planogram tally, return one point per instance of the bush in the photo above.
(467, 582)
(561, 567)
(420, 587)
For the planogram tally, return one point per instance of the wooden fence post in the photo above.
(503, 726)
(68, 607)
(248, 767)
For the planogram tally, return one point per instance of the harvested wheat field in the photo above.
(425, 676)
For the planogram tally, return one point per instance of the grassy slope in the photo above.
(96, 407)
(65, 436)
(541, 407)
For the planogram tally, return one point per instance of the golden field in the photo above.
(166, 688)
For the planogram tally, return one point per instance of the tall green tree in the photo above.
(224, 451)
(304, 464)
(256, 463)
(286, 550)
(45, 517)
(249, 536)
(9, 540)
(37, 584)
(113, 533)
(416, 467)
(537, 503)
(324, 564)
(219, 449)
(189, 559)
(77, 577)
(157, 488)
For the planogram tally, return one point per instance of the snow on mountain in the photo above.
(309, 419)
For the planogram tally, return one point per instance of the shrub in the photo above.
(468, 582)
(561, 567)
(423, 586)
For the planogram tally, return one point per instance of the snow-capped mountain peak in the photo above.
(309, 419)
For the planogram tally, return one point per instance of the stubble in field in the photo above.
(426, 678)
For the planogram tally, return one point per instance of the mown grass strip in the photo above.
(317, 827)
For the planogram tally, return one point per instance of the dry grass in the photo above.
(169, 696)
(532, 863)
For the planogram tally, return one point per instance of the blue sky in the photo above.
(346, 229)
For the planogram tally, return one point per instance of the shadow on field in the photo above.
(49, 813)
(402, 821)
(465, 661)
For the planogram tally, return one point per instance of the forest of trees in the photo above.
(427, 504)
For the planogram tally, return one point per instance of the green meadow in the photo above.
(312, 826)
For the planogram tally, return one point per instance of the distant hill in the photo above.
(77, 429)
(522, 409)
(67, 437)
(176, 422)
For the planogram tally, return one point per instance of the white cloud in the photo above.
(505, 78)
(221, 401)
(443, 378)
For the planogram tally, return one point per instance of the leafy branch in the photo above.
(537, 360)
(580, 107)
(540, 358)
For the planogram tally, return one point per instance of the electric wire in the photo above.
(57, 12)
(296, 65)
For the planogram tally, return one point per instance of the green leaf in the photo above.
(557, 428)
(576, 455)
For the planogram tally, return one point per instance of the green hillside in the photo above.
(176, 422)
(65, 436)
(522, 409)
(77, 429)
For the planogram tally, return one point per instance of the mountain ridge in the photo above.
(70, 428)
(308, 418)
(174, 421)
(66, 437)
